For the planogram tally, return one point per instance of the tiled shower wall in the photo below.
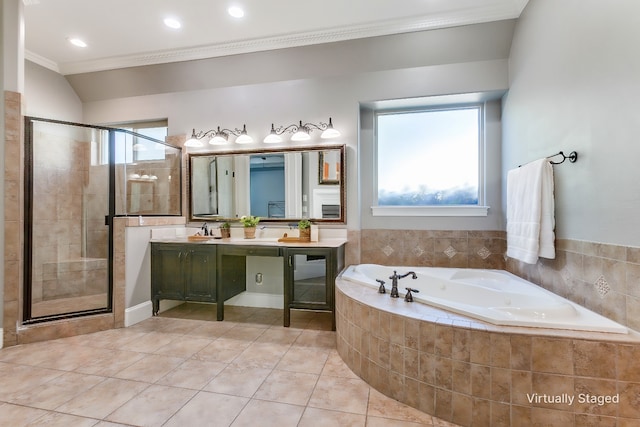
(604, 278)
(70, 202)
(161, 195)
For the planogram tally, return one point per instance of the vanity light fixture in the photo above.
(301, 131)
(219, 137)
(193, 142)
(243, 138)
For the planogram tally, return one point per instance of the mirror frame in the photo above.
(320, 148)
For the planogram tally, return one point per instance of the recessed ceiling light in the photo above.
(77, 42)
(172, 23)
(236, 12)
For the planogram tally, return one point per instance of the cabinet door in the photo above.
(167, 279)
(308, 273)
(200, 274)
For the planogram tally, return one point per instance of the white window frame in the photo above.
(478, 210)
(133, 127)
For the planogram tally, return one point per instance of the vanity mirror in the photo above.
(277, 185)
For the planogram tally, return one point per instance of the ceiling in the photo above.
(127, 33)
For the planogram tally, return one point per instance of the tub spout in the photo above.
(394, 281)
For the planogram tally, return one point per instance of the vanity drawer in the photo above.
(242, 250)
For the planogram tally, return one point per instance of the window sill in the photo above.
(429, 210)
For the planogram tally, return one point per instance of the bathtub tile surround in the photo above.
(472, 373)
(441, 248)
(603, 278)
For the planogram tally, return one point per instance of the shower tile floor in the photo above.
(183, 368)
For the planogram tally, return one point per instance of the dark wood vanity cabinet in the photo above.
(216, 272)
(183, 272)
(311, 287)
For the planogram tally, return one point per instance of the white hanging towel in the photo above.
(530, 212)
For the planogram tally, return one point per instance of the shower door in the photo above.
(67, 214)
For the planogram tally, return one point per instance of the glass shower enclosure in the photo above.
(77, 179)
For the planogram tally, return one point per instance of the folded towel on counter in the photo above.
(530, 212)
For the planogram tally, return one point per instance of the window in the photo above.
(429, 162)
(130, 148)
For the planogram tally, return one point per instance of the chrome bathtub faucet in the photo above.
(394, 282)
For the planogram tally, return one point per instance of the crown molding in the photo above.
(520, 5)
(41, 60)
(469, 16)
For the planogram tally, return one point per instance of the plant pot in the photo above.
(249, 232)
(225, 233)
(305, 234)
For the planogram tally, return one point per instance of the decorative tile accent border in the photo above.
(450, 252)
(458, 370)
(475, 249)
(483, 253)
(602, 287)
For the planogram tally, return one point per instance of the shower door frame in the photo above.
(28, 223)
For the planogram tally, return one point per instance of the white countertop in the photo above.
(323, 243)
(329, 238)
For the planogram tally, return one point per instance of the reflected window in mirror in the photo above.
(267, 185)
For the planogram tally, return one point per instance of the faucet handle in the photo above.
(408, 297)
(381, 289)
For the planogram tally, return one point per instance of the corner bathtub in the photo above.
(494, 296)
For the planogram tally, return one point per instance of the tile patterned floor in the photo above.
(185, 369)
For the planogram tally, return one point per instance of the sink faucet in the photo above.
(394, 281)
(205, 230)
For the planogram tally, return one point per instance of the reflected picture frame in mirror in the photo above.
(329, 166)
(279, 185)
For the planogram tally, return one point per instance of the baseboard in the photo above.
(254, 299)
(137, 313)
(143, 311)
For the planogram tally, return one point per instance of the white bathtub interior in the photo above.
(494, 296)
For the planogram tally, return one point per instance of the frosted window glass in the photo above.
(428, 158)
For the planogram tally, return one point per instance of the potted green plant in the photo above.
(225, 230)
(304, 227)
(249, 222)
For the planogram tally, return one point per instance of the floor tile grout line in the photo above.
(54, 411)
(286, 345)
